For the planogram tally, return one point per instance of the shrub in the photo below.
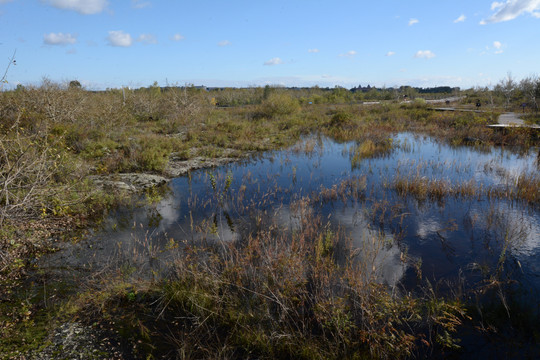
(278, 104)
(341, 118)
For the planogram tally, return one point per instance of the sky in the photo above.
(134, 43)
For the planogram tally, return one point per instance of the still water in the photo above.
(455, 241)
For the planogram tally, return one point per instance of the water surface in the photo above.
(453, 240)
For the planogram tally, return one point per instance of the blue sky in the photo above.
(106, 43)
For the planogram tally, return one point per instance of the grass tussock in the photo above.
(370, 149)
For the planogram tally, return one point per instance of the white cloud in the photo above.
(313, 50)
(273, 61)
(85, 7)
(390, 53)
(413, 21)
(461, 18)
(224, 43)
(177, 37)
(496, 5)
(119, 38)
(140, 4)
(147, 39)
(498, 46)
(59, 39)
(424, 54)
(348, 54)
(511, 9)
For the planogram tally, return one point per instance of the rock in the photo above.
(177, 167)
(129, 182)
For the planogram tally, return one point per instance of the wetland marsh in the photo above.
(460, 224)
(297, 230)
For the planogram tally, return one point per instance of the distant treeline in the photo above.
(429, 90)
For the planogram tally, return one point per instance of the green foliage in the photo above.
(278, 104)
(341, 118)
(467, 120)
(153, 154)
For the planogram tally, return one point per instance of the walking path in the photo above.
(512, 120)
(506, 120)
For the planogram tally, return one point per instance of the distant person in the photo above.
(447, 102)
(478, 104)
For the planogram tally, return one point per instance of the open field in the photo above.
(335, 231)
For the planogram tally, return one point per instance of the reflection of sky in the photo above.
(272, 181)
(520, 227)
(427, 226)
(378, 252)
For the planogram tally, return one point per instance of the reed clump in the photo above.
(371, 148)
(422, 188)
(528, 187)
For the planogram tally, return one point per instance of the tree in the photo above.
(530, 86)
(507, 86)
(75, 84)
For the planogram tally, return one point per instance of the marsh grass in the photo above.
(423, 188)
(369, 148)
(274, 294)
(524, 188)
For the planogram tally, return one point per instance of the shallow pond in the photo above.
(461, 242)
(453, 239)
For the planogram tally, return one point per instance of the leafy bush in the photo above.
(278, 104)
(341, 118)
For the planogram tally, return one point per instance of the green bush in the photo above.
(278, 104)
(341, 118)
